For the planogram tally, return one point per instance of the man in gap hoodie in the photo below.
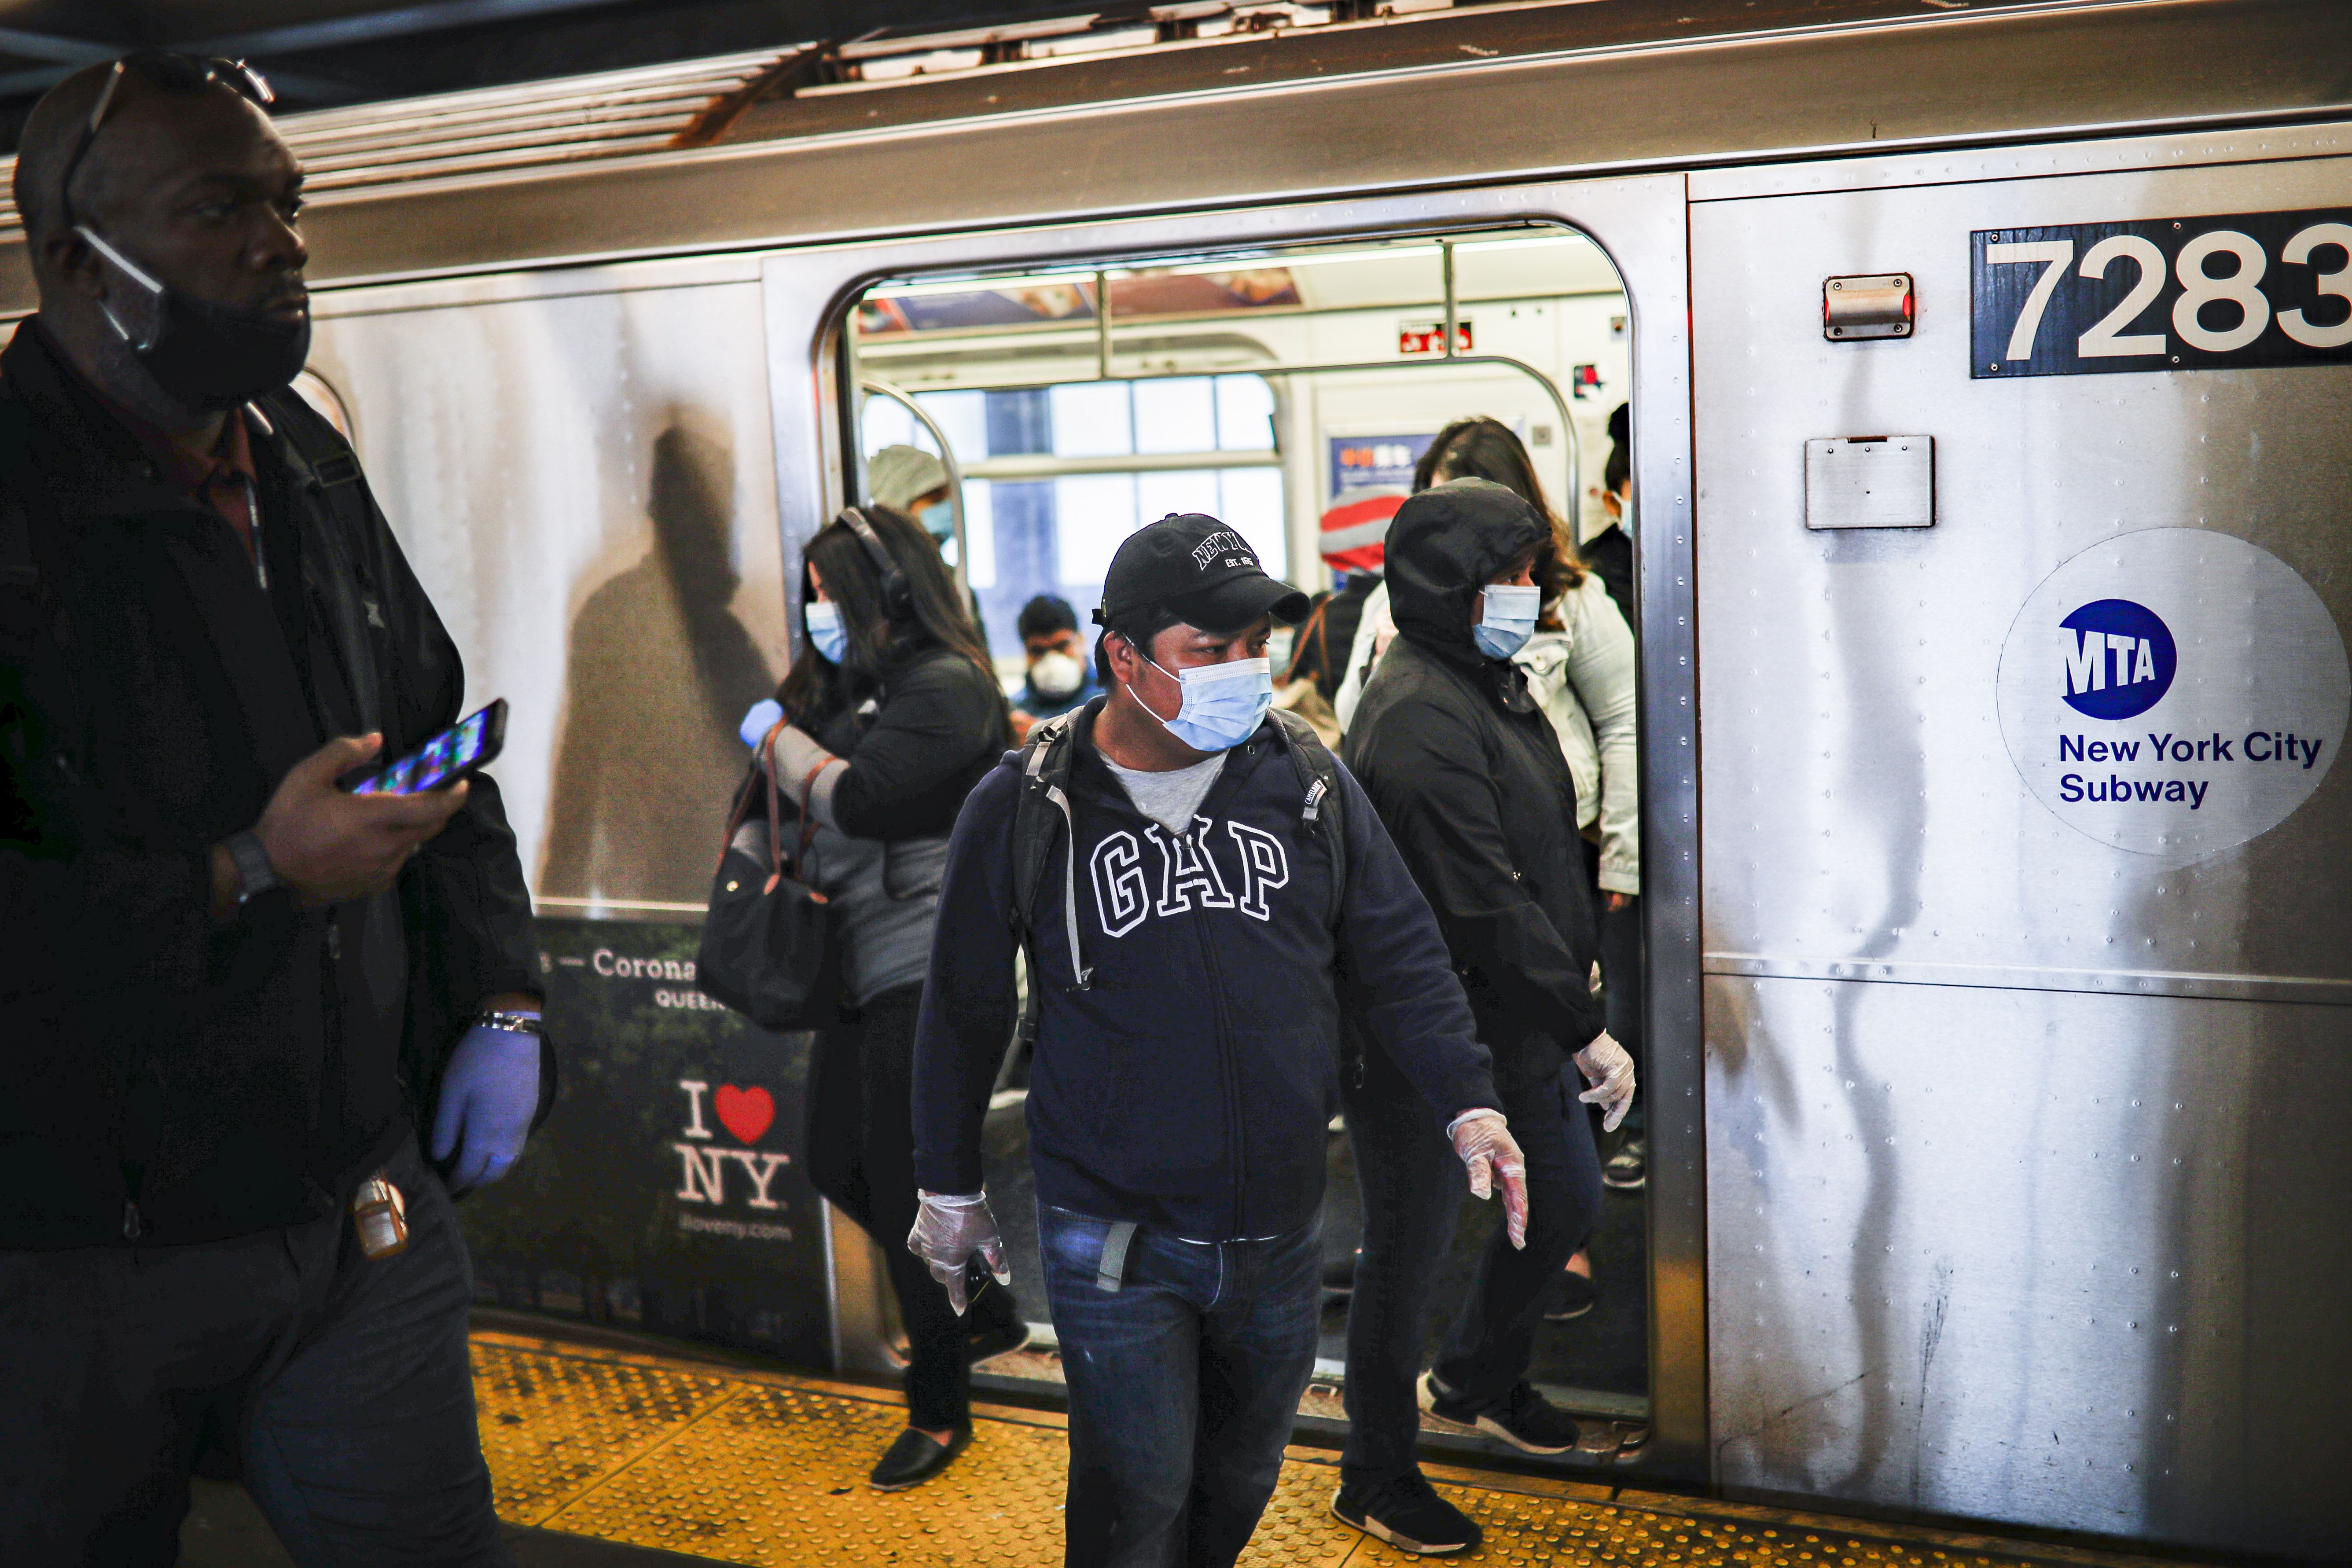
(1458, 759)
(1183, 939)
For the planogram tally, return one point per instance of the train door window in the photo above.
(1291, 393)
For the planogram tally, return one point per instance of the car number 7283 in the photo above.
(2197, 293)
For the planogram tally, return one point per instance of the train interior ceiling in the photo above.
(1260, 388)
(1264, 389)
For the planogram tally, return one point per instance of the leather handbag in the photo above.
(768, 940)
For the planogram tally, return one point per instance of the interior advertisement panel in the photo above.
(666, 1191)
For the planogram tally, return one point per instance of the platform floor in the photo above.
(605, 1455)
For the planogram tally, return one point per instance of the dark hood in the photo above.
(1444, 545)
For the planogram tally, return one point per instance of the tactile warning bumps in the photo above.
(778, 1476)
(1547, 1532)
(552, 1424)
(1298, 1527)
(767, 1471)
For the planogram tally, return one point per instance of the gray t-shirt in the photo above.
(1170, 798)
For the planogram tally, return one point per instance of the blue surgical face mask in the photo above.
(1510, 619)
(1224, 703)
(826, 633)
(938, 520)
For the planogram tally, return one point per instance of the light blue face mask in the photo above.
(938, 520)
(1224, 703)
(1510, 619)
(826, 633)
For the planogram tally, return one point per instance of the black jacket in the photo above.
(164, 1079)
(1610, 553)
(1465, 769)
(938, 726)
(1189, 1087)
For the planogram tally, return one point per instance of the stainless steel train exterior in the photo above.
(1997, 1156)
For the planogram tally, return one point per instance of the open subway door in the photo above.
(2026, 863)
(1245, 361)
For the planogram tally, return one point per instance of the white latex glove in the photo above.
(1484, 1141)
(948, 1231)
(1610, 1071)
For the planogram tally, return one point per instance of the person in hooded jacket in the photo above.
(1579, 663)
(879, 730)
(1454, 752)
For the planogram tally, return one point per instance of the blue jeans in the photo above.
(1412, 1186)
(1182, 1383)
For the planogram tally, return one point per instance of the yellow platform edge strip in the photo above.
(746, 1465)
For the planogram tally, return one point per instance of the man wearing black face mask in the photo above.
(234, 994)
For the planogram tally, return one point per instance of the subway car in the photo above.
(1990, 371)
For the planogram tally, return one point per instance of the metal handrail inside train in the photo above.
(947, 459)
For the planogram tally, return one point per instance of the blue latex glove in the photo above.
(761, 719)
(488, 1096)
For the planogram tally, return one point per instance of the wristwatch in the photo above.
(255, 875)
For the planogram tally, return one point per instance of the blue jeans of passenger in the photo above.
(1413, 1185)
(1183, 1383)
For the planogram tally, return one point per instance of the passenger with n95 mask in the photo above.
(1059, 678)
(1458, 759)
(1186, 869)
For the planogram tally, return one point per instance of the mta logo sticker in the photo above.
(2174, 691)
(2120, 659)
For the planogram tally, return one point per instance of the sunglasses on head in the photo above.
(179, 75)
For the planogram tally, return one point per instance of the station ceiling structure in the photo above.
(327, 54)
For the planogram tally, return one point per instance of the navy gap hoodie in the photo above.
(1189, 1087)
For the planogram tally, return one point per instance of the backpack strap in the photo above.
(1319, 810)
(1044, 761)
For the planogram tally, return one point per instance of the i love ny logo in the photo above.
(747, 1114)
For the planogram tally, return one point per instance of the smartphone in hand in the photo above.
(469, 743)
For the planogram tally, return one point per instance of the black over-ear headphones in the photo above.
(898, 594)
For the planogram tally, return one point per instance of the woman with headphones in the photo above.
(888, 717)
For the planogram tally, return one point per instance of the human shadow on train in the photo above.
(659, 673)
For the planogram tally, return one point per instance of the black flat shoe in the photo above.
(915, 1458)
(1001, 1339)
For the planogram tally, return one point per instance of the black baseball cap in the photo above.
(1203, 572)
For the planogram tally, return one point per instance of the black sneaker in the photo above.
(1628, 1169)
(1523, 1418)
(1577, 1295)
(1408, 1514)
(1001, 1339)
(915, 1458)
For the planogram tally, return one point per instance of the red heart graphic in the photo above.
(748, 1112)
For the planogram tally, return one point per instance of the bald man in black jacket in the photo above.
(233, 991)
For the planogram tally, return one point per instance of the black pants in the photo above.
(861, 1156)
(345, 1379)
(1413, 1185)
(1620, 964)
